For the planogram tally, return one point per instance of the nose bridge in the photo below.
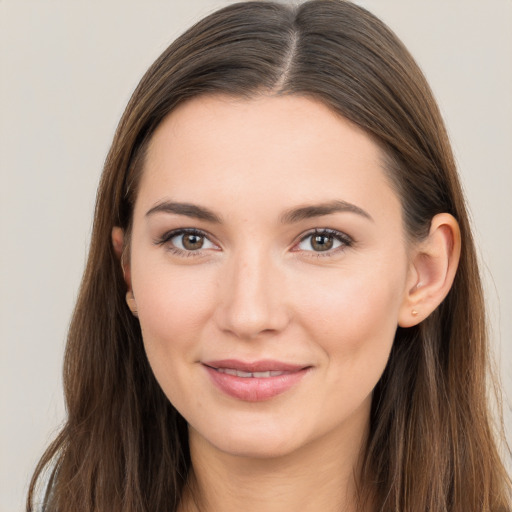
(252, 299)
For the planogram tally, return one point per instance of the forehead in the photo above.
(262, 152)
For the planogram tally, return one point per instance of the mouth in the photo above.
(254, 381)
(250, 375)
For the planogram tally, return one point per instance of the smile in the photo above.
(256, 375)
(254, 382)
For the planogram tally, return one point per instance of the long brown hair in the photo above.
(432, 444)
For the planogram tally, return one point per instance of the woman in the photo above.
(281, 308)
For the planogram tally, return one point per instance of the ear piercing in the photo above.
(130, 300)
(414, 312)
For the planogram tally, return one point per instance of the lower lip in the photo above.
(255, 389)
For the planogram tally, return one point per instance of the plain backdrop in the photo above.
(67, 70)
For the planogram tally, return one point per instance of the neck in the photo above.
(309, 480)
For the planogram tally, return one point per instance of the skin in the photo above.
(258, 289)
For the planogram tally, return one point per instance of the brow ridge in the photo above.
(288, 217)
(186, 209)
(318, 210)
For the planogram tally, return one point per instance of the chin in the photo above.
(263, 443)
(263, 448)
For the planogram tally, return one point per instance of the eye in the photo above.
(191, 242)
(187, 241)
(324, 240)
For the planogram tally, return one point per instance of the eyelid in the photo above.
(346, 241)
(169, 235)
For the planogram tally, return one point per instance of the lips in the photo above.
(257, 375)
(254, 381)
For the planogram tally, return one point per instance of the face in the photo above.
(268, 265)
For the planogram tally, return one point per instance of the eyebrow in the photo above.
(187, 209)
(288, 217)
(317, 210)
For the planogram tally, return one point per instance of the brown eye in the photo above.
(322, 242)
(325, 240)
(188, 241)
(192, 242)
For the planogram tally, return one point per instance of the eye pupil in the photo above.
(192, 242)
(322, 242)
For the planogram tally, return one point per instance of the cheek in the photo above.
(353, 320)
(173, 305)
(353, 316)
(354, 307)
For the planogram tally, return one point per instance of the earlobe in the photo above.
(433, 267)
(130, 300)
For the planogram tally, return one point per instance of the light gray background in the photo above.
(67, 70)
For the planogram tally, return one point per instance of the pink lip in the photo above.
(255, 389)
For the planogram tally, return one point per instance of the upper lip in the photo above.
(264, 365)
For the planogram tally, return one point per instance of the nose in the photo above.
(252, 299)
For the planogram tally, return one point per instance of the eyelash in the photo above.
(167, 237)
(343, 238)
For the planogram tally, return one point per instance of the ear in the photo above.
(432, 270)
(118, 242)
